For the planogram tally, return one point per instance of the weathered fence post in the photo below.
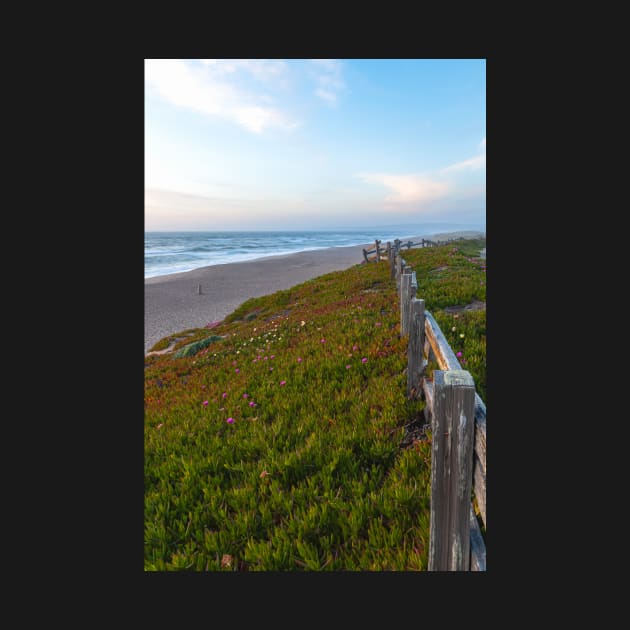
(451, 470)
(378, 254)
(415, 357)
(399, 268)
(413, 289)
(405, 290)
(365, 255)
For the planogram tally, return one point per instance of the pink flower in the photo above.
(355, 348)
(459, 354)
(230, 420)
(203, 387)
(245, 395)
(237, 370)
(379, 324)
(252, 404)
(205, 403)
(271, 369)
(273, 356)
(323, 340)
(224, 394)
(283, 382)
(299, 359)
(348, 367)
(364, 360)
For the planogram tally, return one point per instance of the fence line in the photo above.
(457, 416)
(386, 252)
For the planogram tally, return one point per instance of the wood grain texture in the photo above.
(479, 487)
(451, 470)
(444, 354)
(415, 359)
(480, 456)
(405, 288)
(477, 545)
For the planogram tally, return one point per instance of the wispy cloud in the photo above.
(264, 70)
(408, 188)
(422, 188)
(471, 164)
(211, 88)
(328, 76)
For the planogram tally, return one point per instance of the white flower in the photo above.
(453, 329)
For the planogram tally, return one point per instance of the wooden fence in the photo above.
(457, 416)
(378, 253)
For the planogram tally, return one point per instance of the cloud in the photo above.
(327, 74)
(265, 70)
(471, 164)
(474, 163)
(210, 88)
(326, 95)
(408, 188)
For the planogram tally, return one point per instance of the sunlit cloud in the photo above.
(211, 89)
(408, 188)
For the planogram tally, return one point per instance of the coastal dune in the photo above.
(172, 302)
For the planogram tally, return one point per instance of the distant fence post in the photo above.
(405, 290)
(378, 254)
(365, 255)
(391, 258)
(399, 267)
(451, 470)
(415, 358)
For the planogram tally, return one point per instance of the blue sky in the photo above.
(270, 144)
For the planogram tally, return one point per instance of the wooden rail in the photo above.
(457, 416)
(389, 252)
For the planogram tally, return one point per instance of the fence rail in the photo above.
(457, 416)
(378, 252)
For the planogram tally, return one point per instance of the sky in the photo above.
(314, 144)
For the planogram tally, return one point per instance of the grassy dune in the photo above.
(282, 439)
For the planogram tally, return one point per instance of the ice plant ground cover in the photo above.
(284, 443)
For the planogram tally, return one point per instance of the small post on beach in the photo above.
(198, 289)
(451, 470)
(378, 254)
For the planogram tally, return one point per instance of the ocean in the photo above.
(174, 252)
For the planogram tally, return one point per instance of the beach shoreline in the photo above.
(172, 302)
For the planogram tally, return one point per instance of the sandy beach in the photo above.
(172, 303)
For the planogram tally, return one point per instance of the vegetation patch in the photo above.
(290, 444)
(193, 348)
